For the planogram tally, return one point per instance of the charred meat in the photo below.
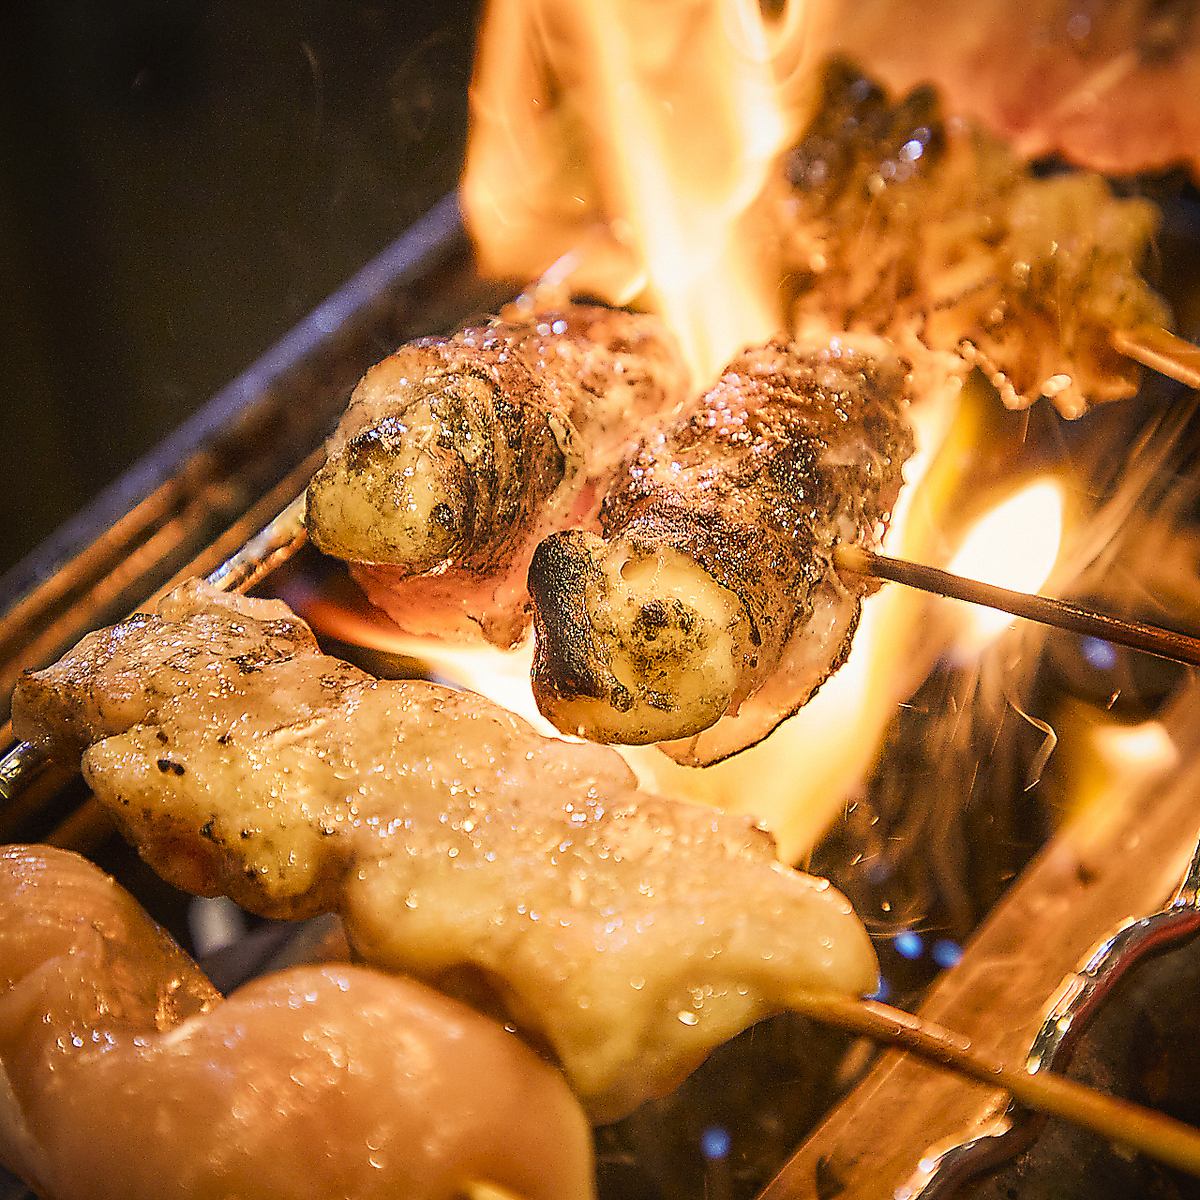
(1109, 86)
(933, 234)
(629, 933)
(709, 610)
(458, 455)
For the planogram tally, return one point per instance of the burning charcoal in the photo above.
(458, 455)
(710, 610)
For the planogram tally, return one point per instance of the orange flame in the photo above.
(1014, 546)
(622, 149)
(626, 150)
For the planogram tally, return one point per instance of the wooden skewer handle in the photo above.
(1150, 639)
(1161, 351)
(1159, 1136)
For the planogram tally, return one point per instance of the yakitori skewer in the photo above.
(286, 851)
(1150, 639)
(1154, 1134)
(285, 534)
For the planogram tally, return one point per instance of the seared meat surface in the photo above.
(1108, 86)
(458, 455)
(120, 676)
(629, 933)
(709, 610)
(933, 234)
(127, 1077)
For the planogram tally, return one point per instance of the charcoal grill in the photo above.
(1031, 985)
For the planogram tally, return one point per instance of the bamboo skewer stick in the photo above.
(1161, 351)
(1160, 1137)
(273, 544)
(1150, 639)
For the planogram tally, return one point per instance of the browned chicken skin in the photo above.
(933, 234)
(1110, 86)
(710, 609)
(457, 455)
(629, 933)
(127, 1077)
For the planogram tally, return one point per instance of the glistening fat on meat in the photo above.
(935, 235)
(128, 1077)
(629, 933)
(456, 456)
(709, 609)
(1110, 87)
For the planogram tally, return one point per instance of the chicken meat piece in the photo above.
(709, 610)
(629, 933)
(970, 255)
(189, 648)
(458, 455)
(127, 1077)
(1108, 86)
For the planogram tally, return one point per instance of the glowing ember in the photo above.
(1147, 747)
(1103, 762)
(1014, 546)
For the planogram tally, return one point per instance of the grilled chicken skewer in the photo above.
(975, 281)
(458, 455)
(971, 262)
(711, 609)
(1108, 86)
(128, 1077)
(629, 933)
(935, 235)
(317, 1081)
(315, 1049)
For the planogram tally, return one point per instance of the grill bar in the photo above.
(171, 506)
(276, 542)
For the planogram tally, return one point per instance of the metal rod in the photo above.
(1161, 351)
(1155, 1134)
(274, 544)
(1150, 639)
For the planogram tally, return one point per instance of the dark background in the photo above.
(180, 182)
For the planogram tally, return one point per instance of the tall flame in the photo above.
(627, 150)
(1014, 546)
(622, 148)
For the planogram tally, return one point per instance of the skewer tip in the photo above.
(1161, 351)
